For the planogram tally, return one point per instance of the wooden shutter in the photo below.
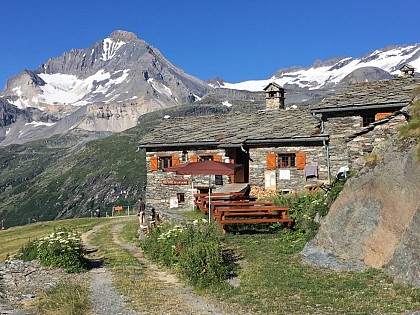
(154, 163)
(217, 158)
(232, 177)
(300, 160)
(175, 160)
(379, 116)
(271, 161)
(194, 158)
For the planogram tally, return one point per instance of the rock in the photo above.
(375, 222)
(22, 281)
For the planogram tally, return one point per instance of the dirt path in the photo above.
(106, 300)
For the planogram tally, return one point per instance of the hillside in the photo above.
(72, 174)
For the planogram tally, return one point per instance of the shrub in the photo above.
(411, 130)
(29, 251)
(59, 249)
(307, 210)
(194, 250)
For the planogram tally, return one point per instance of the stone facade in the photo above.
(349, 142)
(314, 156)
(159, 193)
(160, 189)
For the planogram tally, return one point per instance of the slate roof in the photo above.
(385, 93)
(250, 129)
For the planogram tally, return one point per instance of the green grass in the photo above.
(274, 280)
(130, 277)
(67, 298)
(13, 239)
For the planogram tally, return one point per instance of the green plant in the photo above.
(307, 209)
(59, 249)
(195, 250)
(29, 251)
(411, 130)
(67, 298)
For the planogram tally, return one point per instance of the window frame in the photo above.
(289, 157)
(367, 119)
(165, 161)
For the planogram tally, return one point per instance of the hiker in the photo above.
(141, 209)
(97, 213)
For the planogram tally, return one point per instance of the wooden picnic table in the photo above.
(252, 214)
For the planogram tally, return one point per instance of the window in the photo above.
(286, 160)
(181, 197)
(206, 157)
(165, 161)
(160, 162)
(368, 119)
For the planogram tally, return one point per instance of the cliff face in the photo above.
(375, 222)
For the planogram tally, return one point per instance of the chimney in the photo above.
(274, 97)
(406, 71)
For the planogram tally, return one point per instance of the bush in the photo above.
(307, 210)
(60, 249)
(194, 250)
(29, 251)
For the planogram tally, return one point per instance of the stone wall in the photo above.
(158, 194)
(349, 141)
(315, 155)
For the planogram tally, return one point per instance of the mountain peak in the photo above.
(120, 35)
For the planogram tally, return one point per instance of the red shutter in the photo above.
(300, 160)
(194, 158)
(271, 161)
(154, 163)
(217, 158)
(175, 160)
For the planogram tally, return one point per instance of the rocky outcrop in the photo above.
(375, 222)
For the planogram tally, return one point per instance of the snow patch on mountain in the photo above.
(110, 48)
(39, 123)
(68, 89)
(160, 87)
(324, 75)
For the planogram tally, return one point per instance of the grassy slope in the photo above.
(14, 238)
(273, 278)
(68, 176)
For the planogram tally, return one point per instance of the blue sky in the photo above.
(233, 40)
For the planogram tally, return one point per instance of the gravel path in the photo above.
(107, 301)
(104, 298)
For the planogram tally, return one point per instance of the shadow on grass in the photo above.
(92, 260)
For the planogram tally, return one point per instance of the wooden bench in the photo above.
(252, 214)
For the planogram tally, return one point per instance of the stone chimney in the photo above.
(274, 97)
(406, 71)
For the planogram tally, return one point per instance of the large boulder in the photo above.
(375, 222)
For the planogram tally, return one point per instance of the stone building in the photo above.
(275, 148)
(362, 116)
(280, 149)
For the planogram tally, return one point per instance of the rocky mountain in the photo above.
(119, 69)
(106, 87)
(326, 75)
(115, 80)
